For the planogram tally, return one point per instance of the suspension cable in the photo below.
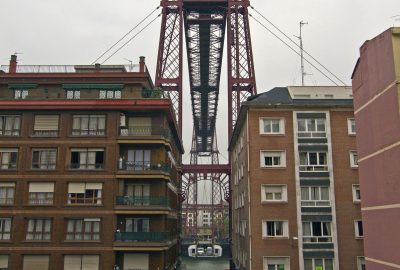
(291, 48)
(129, 40)
(306, 52)
(130, 31)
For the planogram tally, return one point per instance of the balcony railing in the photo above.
(78, 166)
(143, 236)
(9, 132)
(314, 134)
(45, 133)
(317, 239)
(315, 203)
(8, 166)
(143, 166)
(145, 200)
(145, 131)
(44, 166)
(313, 168)
(85, 132)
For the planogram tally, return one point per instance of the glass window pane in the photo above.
(308, 264)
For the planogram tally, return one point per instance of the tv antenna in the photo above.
(303, 73)
(130, 64)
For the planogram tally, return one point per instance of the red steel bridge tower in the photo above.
(203, 25)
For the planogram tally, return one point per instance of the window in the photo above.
(3, 262)
(7, 192)
(46, 125)
(313, 161)
(318, 264)
(353, 159)
(311, 128)
(137, 160)
(10, 125)
(351, 126)
(44, 159)
(38, 229)
(137, 225)
(89, 125)
(358, 226)
(276, 263)
(87, 229)
(5, 228)
(272, 126)
(137, 194)
(85, 193)
(41, 193)
(81, 262)
(356, 193)
(110, 94)
(8, 158)
(36, 262)
(305, 96)
(270, 159)
(20, 93)
(361, 263)
(317, 232)
(315, 196)
(273, 228)
(73, 94)
(87, 158)
(274, 193)
(242, 227)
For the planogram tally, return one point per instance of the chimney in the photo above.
(13, 64)
(97, 67)
(142, 64)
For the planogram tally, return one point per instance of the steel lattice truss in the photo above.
(205, 24)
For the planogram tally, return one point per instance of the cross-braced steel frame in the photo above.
(205, 24)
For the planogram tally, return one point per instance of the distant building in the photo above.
(89, 169)
(377, 112)
(296, 199)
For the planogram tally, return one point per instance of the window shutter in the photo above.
(72, 262)
(46, 122)
(4, 261)
(41, 187)
(90, 262)
(36, 262)
(136, 261)
(94, 185)
(76, 188)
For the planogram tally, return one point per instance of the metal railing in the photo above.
(313, 168)
(317, 239)
(311, 134)
(45, 133)
(144, 200)
(59, 68)
(143, 236)
(315, 203)
(142, 166)
(145, 131)
(79, 166)
(8, 166)
(85, 132)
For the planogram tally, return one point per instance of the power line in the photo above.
(275, 35)
(130, 31)
(123, 45)
(306, 52)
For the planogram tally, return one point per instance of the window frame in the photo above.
(264, 187)
(7, 198)
(41, 232)
(110, 94)
(353, 159)
(360, 262)
(47, 165)
(14, 132)
(87, 131)
(92, 233)
(357, 229)
(13, 160)
(315, 203)
(284, 225)
(3, 232)
(308, 133)
(281, 126)
(92, 200)
(356, 187)
(283, 258)
(282, 156)
(313, 237)
(87, 165)
(73, 94)
(350, 131)
(319, 167)
(323, 262)
(21, 93)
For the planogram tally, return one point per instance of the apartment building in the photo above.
(377, 112)
(295, 191)
(89, 169)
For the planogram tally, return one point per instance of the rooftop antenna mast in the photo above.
(303, 73)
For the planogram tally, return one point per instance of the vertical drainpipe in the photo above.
(13, 64)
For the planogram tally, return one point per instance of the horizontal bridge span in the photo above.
(199, 168)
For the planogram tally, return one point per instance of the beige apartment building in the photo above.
(295, 191)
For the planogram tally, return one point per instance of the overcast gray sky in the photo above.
(78, 31)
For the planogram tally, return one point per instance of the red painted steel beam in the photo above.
(205, 169)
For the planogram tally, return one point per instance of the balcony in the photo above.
(85, 167)
(143, 166)
(317, 239)
(313, 168)
(140, 131)
(8, 166)
(152, 237)
(314, 134)
(45, 133)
